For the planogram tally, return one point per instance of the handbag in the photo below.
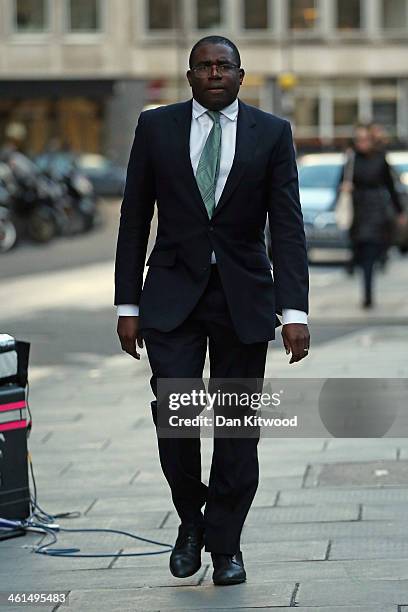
(344, 203)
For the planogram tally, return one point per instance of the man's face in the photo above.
(215, 78)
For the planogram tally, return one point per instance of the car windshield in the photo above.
(319, 176)
(94, 162)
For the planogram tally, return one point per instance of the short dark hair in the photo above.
(216, 40)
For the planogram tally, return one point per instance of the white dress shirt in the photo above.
(201, 125)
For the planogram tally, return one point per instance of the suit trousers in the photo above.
(367, 255)
(234, 474)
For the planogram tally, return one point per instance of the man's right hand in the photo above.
(129, 335)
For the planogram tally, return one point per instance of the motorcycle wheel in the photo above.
(8, 235)
(41, 226)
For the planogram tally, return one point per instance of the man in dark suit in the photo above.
(216, 168)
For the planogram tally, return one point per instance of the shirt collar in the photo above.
(230, 111)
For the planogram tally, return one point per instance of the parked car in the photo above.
(107, 178)
(399, 162)
(319, 175)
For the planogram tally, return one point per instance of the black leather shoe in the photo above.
(228, 569)
(185, 559)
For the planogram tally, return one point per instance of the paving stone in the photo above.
(385, 512)
(352, 592)
(280, 482)
(56, 502)
(343, 495)
(295, 571)
(260, 515)
(264, 497)
(334, 455)
(12, 607)
(74, 481)
(25, 561)
(17, 543)
(370, 608)
(282, 469)
(82, 442)
(360, 473)
(365, 569)
(373, 548)
(253, 553)
(314, 444)
(376, 569)
(315, 531)
(273, 535)
(69, 579)
(188, 598)
(16, 553)
(355, 444)
(314, 550)
(115, 505)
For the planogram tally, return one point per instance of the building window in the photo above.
(161, 14)
(394, 14)
(348, 15)
(345, 113)
(384, 95)
(345, 106)
(256, 15)
(303, 14)
(306, 108)
(84, 15)
(31, 15)
(208, 14)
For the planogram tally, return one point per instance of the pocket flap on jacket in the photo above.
(162, 258)
(257, 260)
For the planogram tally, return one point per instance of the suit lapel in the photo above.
(246, 140)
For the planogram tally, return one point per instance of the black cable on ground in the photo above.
(43, 522)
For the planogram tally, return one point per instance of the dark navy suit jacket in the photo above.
(263, 181)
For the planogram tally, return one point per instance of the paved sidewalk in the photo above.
(327, 530)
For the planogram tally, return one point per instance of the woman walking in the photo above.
(376, 206)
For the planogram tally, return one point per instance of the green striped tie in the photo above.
(209, 164)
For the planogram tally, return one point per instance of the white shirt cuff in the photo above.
(290, 315)
(127, 310)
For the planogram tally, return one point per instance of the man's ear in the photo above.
(241, 75)
(189, 76)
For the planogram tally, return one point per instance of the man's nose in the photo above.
(214, 71)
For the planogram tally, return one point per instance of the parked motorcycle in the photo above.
(40, 208)
(62, 168)
(8, 232)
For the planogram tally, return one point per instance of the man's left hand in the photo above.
(296, 339)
